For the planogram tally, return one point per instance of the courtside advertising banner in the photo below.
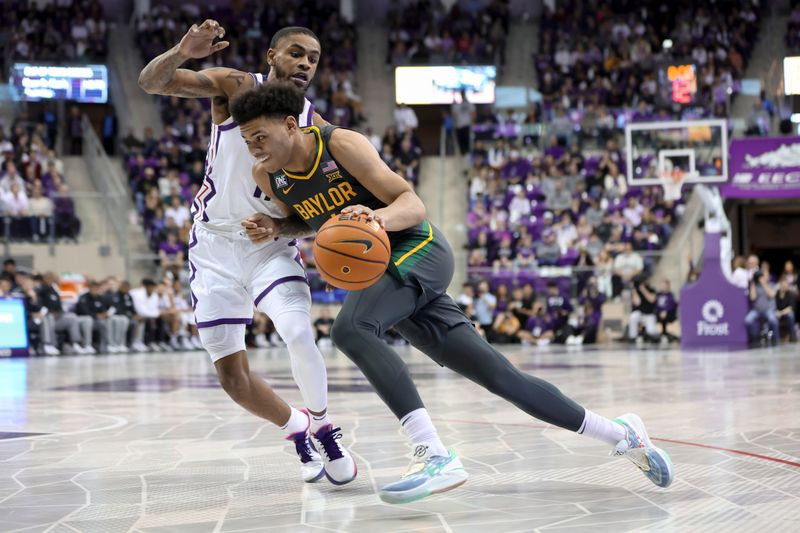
(764, 168)
(713, 309)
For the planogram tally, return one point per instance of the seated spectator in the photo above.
(11, 177)
(538, 329)
(566, 233)
(485, 303)
(740, 276)
(56, 321)
(584, 331)
(558, 309)
(171, 252)
(67, 224)
(147, 318)
(188, 336)
(92, 310)
(15, 201)
(177, 211)
(40, 209)
(560, 199)
(547, 251)
(627, 266)
(785, 303)
(121, 310)
(322, 327)
(519, 209)
(467, 296)
(504, 329)
(34, 312)
(666, 310)
(762, 307)
(790, 275)
(643, 305)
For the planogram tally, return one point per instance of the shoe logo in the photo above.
(420, 450)
(367, 246)
(289, 188)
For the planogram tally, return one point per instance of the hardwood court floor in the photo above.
(150, 443)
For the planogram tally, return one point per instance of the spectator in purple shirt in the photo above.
(516, 165)
(538, 329)
(666, 309)
(171, 252)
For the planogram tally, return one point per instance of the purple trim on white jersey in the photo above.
(257, 193)
(310, 116)
(275, 283)
(226, 127)
(222, 321)
(293, 242)
(210, 159)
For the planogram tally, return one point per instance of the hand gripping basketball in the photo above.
(351, 252)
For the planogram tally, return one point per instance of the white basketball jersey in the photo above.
(229, 194)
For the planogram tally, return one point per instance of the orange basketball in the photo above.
(351, 253)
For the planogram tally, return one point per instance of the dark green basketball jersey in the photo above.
(328, 187)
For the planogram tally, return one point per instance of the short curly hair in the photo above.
(277, 99)
(289, 31)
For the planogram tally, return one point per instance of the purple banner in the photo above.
(713, 309)
(764, 168)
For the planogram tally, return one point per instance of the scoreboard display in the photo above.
(78, 83)
(678, 83)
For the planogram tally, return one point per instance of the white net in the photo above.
(672, 182)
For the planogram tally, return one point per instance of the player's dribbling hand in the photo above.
(358, 210)
(199, 40)
(260, 228)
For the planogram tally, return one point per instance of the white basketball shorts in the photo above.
(228, 275)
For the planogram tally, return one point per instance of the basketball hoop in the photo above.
(672, 181)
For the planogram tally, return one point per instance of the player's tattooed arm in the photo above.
(162, 75)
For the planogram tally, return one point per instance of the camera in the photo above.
(757, 276)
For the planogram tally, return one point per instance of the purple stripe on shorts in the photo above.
(222, 321)
(275, 284)
(193, 269)
(192, 240)
(194, 301)
(310, 116)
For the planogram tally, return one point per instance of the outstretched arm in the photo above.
(162, 75)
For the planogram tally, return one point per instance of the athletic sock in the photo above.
(420, 429)
(298, 421)
(600, 427)
(319, 421)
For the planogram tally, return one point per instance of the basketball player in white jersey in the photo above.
(228, 274)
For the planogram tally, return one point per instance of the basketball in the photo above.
(351, 253)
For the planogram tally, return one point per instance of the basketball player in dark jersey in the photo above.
(315, 173)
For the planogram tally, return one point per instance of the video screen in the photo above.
(13, 329)
(85, 83)
(443, 85)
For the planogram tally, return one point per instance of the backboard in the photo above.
(696, 148)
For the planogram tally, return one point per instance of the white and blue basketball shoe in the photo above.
(427, 474)
(636, 446)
